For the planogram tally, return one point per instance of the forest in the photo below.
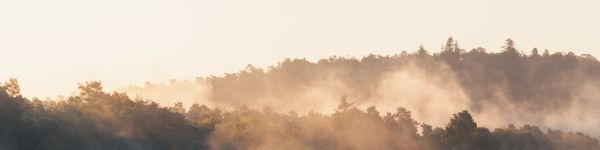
(456, 99)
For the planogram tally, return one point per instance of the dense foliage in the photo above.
(540, 78)
(98, 120)
(95, 119)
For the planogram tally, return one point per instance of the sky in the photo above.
(51, 46)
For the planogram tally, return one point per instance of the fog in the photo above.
(455, 99)
(557, 91)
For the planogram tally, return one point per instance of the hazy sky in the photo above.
(51, 45)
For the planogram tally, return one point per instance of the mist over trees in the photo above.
(94, 119)
(509, 85)
(265, 106)
(522, 78)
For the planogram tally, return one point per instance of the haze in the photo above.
(50, 46)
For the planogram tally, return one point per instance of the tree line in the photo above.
(536, 82)
(523, 77)
(95, 119)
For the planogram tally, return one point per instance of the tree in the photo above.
(451, 53)
(509, 48)
(406, 122)
(426, 130)
(534, 53)
(462, 122)
(587, 58)
(450, 45)
(509, 45)
(11, 87)
(90, 89)
(460, 132)
(344, 105)
(546, 53)
(421, 52)
(178, 108)
(94, 119)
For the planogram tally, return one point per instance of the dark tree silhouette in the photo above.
(95, 119)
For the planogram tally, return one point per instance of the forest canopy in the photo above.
(429, 100)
